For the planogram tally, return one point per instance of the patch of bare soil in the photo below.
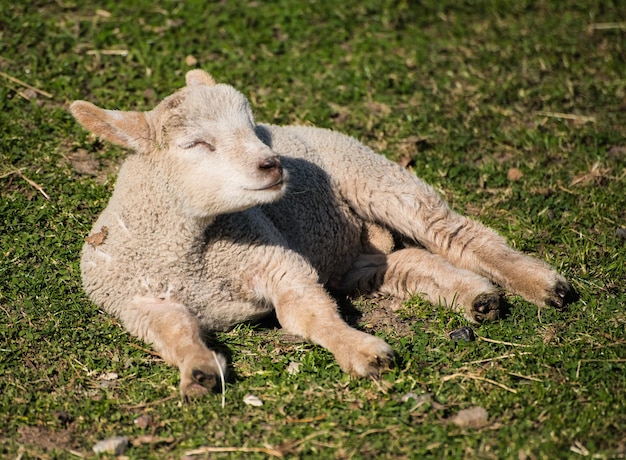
(47, 439)
(379, 314)
(86, 164)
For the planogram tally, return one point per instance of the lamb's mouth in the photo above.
(272, 187)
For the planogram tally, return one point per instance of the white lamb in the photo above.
(217, 220)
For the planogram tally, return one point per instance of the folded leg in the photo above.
(416, 271)
(382, 192)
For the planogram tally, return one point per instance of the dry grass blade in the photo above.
(248, 450)
(151, 403)
(511, 344)
(25, 85)
(618, 360)
(568, 116)
(497, 358)
(482, 379)
(608, 26)
(108, 52)
(526, 377)
(31, 182)
(222, 379)
(595, 174)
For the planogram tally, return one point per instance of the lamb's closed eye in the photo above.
(199, 143)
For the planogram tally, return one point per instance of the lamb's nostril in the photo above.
(270, 163)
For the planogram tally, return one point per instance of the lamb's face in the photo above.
(201, 139)
(215, 162)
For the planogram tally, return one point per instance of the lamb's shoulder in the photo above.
(215, 271)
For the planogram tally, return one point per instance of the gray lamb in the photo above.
(217, 220)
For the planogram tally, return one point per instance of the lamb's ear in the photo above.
(127, 129)
(199, 77)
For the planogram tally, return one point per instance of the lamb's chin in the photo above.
(270, 194)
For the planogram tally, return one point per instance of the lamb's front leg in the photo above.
(175, 335)
(304, 308)
(311, 313)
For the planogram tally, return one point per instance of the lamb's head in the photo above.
(202, 141)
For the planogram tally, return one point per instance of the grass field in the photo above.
(515, 110)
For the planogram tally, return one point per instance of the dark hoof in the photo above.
(562, 295)
(486, 307)
(208, 381)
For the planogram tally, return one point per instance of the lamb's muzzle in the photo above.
(274, 170)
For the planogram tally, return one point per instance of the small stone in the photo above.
(514, 174)
(419, 400)
(252, 400)
(474, 417)
(621, 233)
(465, 334)
(115, 446)
(143, 421)
(293, 368)
(191, 60)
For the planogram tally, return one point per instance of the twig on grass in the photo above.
(306, 419)
(151, 403)
(607, 26)
(482, 379)
(568, 116)
(484, 339)
(248, 450)
(580, 361)
(32, 183)
(526, 377)
(497, 358)
(25, 85)
(121, 52)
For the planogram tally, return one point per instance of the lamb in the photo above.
(216, 220)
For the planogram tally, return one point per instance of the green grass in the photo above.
(467, 90)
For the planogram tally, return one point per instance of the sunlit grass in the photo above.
(464, 92)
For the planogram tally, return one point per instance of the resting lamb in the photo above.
(216, 220)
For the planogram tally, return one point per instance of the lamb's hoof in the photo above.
(200, 384)
(485, 307)
(561, 294)
(202, 377)
(368, 356)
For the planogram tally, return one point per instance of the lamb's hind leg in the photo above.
(382, 192)
(417, 271)
(175, 335)
(400, 201)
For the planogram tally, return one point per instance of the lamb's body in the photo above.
(181, 253)
(211, 272)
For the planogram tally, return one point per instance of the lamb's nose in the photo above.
(270, 163)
